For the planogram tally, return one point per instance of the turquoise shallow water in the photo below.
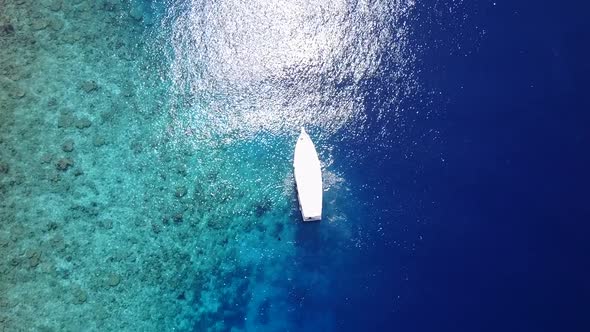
(145, 158)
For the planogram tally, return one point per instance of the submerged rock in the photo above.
(136, 13)
(6, 29)
(66, 119)
(110, 5)
(98, 141)
(32, 253)
(4, 168)
(113, 280)
(165, 220)
(89, 86)
(68, 146)
(80, 296)
(4, 242)
(216, 223)
(261, 208)
(34, 258)
(54, 178)
(127, 91)
(58, 243)
(56, 24)
(108, 117)
(156, 228)
(64, 163)
(106, 224)
(83, 123)
(39, 24)
(52, 226)
(136, 147)
(181, 169)
(52, 102)
(55, 5)
(180, 192)
(15, 261)
(46, 158)
(148, 19)
(18, 92)
(177, 218)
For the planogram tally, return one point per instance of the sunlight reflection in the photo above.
(242, 67)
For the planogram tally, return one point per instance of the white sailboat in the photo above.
(308, 177)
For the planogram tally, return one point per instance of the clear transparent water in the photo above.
(146, 152)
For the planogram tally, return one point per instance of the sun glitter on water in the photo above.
(276, 66)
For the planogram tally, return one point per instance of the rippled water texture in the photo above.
(275, 66)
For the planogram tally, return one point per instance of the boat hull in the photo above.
(308, 178)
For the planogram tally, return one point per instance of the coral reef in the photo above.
(104, 208)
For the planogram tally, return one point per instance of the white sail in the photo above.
(308, 177)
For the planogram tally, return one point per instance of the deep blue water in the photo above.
(484, 222)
